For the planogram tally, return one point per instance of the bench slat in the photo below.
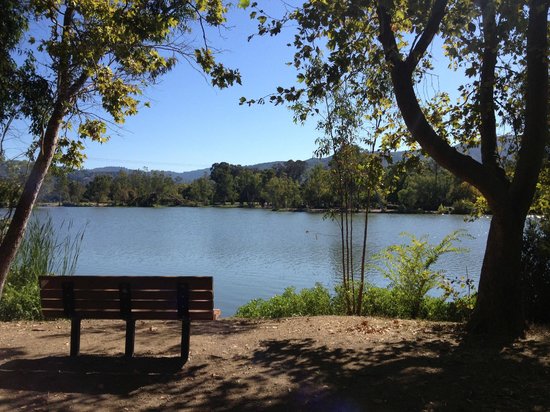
(137, 282)
(136, 294)
(138, 315)
(114, 304)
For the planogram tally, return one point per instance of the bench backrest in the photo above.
(127, 297)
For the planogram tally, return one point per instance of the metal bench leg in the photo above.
(130, 338)
(75, 336)
(185, 333)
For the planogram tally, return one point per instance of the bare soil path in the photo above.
(317, 363)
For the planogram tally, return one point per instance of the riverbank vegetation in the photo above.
(44, 250)
(377, 301)
(411, 283)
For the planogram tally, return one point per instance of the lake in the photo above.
(250, 252)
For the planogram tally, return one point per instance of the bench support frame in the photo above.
(126, 314)
(183, 314)
(130, 338)
(75, 335)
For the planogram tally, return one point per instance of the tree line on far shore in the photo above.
(423, 186)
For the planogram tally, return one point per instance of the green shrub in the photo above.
(316, 301)
(20, 303)
(382, 302)
(463, 207)
(536, 271)
(408, 268)
(340, 303)
(41, 252)
(377, 301)
(309, 302)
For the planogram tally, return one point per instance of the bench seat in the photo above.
(128, 298)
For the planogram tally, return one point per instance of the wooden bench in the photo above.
(129, 298)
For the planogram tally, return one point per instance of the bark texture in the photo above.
(499, 308)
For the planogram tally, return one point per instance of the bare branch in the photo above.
(432, 27)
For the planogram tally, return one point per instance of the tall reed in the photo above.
(43, 251)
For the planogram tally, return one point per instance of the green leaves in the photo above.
(243, 4)
(408, 268)
(106, 53)
(94, 130)
(221, 76)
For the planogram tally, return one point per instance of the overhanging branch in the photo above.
(460, 165)
(432, 27)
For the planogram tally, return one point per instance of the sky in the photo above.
(191, 124)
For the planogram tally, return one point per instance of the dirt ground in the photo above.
(316, 363)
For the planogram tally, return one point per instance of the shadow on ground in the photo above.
(88, 374)
(429, 373)
(422, 375)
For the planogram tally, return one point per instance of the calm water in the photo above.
(250, 253)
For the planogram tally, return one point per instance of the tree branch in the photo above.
(459, 164)
(432, 27)
(386, 35)
(487, 128)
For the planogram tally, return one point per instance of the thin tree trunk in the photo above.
(365, 231)
(351, 266)
(363, 255)
(14, 235)
(344, 272)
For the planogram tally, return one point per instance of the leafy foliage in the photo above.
(318, 301)
(98, 53)
(408, 268)
(408, 188)
(308, 302)
(536, 270)
(41, 252)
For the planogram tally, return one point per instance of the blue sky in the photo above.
(191, 125)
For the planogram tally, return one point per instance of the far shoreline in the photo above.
(239, 206)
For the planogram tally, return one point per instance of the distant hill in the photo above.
(87, 175)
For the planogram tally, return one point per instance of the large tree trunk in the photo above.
(499, 308)
(12, 240)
